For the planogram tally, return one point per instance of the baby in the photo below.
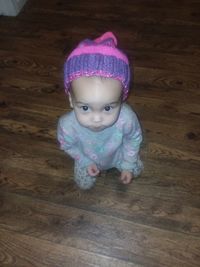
(101, 132)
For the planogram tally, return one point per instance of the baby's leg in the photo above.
(82, 178)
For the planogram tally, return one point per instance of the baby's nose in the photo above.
(97, 117)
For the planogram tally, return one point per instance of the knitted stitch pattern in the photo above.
(100, 57)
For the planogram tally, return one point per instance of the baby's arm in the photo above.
(130, 149)
(126, 177)
(69, 143)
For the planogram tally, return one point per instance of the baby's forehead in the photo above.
(97, 98)
(97, 87)
(101, 100)
(95, 79)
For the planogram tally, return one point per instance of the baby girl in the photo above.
(101, 131)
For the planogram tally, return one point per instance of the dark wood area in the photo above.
(45, 220)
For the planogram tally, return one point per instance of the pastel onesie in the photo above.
(114, 147)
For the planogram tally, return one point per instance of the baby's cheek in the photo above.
(83, 119)
(112, 118)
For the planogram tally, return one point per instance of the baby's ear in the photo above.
(70, 100)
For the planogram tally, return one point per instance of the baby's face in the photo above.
(96, 101)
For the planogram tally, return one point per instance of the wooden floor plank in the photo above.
(45, 220)
(79, 229)
(137, 202)
(22, 250)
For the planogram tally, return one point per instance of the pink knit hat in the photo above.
(99, 57)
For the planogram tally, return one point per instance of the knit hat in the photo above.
(99, 57)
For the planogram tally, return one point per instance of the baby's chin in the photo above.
(97, 129)
(100, 128)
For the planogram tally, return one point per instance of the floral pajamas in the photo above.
(116, 146)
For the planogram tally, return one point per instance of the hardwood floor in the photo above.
(44, 219)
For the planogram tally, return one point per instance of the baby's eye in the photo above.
(108, 108)
(84, 108)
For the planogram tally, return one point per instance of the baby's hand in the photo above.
(126, 177)
(93, 170)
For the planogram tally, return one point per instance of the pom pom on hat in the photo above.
(99, 57)
(107, 38)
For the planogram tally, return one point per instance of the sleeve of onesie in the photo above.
(131, 141)
(69, 143)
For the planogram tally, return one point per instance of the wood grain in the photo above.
(45, 220)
